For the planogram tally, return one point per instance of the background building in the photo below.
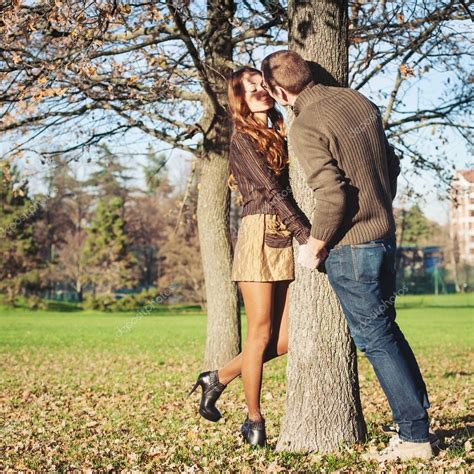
(462, 216)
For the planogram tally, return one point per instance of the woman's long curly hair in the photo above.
(270, 142)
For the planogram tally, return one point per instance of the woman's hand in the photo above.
(306, 258)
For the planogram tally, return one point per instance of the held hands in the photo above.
(312, 253)
(306, 257)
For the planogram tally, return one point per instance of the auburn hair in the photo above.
(271, 142)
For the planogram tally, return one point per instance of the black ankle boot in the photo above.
(254, 432)
(211, 391)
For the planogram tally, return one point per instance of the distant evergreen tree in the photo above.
(155, 170)
(413, 226)
(111, 178)
(19, 263)
(107, 259)
(65, 207)
(61, 232)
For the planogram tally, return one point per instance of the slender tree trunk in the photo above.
(79, 291)
(223, 312)
(323, 407)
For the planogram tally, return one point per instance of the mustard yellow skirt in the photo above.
(264, 250)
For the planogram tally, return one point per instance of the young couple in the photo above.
(338, 138)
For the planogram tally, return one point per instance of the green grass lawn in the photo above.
(83, 390)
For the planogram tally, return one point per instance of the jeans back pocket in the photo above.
(367, 261)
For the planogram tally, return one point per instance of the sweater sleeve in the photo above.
(393, 167)
(311, 147)
(246, 161)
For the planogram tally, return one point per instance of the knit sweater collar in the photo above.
(311, 93)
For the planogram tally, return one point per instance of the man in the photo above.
(338, 138)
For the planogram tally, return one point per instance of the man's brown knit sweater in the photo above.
(338, 138)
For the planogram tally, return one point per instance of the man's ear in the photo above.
(282, 94)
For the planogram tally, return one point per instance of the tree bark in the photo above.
(213, 209)
(323, 409)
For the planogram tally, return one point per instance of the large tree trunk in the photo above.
(323, 407)
(223, 312)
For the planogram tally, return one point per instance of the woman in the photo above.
(263, 257)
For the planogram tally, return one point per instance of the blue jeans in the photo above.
(363, 277)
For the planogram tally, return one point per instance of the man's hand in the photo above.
(308, 259)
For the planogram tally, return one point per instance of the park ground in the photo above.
(94, 391)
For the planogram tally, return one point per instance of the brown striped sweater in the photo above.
(338, 138)
(264, 192)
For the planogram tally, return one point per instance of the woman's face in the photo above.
(256, 97)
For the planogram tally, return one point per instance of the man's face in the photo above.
(276, 93)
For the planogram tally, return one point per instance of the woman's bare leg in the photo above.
(258, 300)
(281, 305)
(278, 344)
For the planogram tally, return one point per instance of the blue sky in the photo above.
(426, 92)
(435, 207)
(179, 165)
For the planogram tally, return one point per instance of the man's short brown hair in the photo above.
(286, 69)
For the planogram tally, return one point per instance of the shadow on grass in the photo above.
(429, 301)
(156, 310)
(162, 311)
(62, 307)
(171, 310)
(192, 309)
(187, 308)
(178, 310)
(460, 373)
(456, 437)
(421, 305)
